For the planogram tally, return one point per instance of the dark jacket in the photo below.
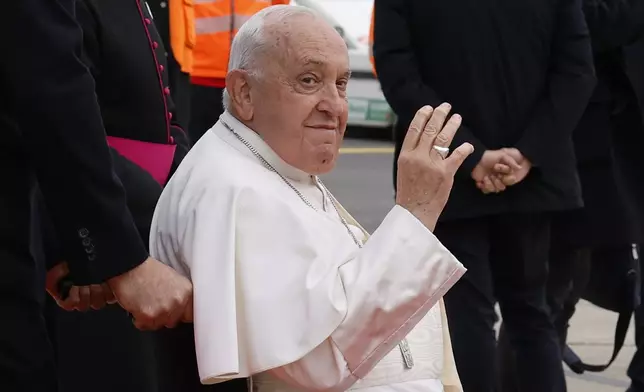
(610, 135)
(519, 72)
(126, 55)
(52, 133)
(629, 141)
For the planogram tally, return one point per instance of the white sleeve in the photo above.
(400, 274)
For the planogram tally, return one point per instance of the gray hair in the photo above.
(251, 40)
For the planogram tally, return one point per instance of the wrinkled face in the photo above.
(299, 104)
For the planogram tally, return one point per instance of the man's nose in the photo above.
(332, 102)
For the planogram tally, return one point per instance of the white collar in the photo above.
(255, 140)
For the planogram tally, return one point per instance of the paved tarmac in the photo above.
(362, 181)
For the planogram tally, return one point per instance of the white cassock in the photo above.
(281, 290)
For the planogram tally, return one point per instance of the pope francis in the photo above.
(288, 288)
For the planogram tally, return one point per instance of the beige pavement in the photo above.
(591, 336)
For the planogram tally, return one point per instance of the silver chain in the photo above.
(325, 191)
(408, 359)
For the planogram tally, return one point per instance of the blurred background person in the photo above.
(216, 23)
(521, 74)
(628, 152)
(608, 143)
(125, 54)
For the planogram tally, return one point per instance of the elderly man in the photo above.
(287, 289)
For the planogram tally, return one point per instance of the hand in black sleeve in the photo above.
(57, 111)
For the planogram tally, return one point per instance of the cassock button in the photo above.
(155, 45)
(161, 67)
(169, 115)
(166, 91)
(171, 140)
(147, 21)
(163, 4)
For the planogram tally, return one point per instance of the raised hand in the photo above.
(81, 298)
(154, 294)
(425, 176)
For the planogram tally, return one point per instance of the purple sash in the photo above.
(155, 158)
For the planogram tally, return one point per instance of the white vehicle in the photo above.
(352, 18)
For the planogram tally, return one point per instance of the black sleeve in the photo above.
(571, 80)
(398, 72)
(614, 23)
(60, 120)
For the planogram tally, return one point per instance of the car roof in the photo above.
(353, 15)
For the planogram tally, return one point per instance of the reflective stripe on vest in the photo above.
(371, 29)
(220, 24)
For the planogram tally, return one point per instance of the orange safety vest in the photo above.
(182, 32)
(373, 62)
(216, 22)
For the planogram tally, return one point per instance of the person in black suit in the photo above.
(608, 142)
(520, 73)
(126, 56)
(53, 143)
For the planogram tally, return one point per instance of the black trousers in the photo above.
(26, 353)
(569, 272)
(506, 257)
(102, 351)
(569, 269)
(206, 107)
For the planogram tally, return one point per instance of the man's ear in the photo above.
(238, 87)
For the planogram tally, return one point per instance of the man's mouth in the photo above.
(328, 127)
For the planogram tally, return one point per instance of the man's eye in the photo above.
(308, 80)
(342, 85)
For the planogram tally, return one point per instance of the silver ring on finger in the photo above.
(442, 151)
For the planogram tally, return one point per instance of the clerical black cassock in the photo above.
(53, 143)
(520, 73)
(126, 56)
